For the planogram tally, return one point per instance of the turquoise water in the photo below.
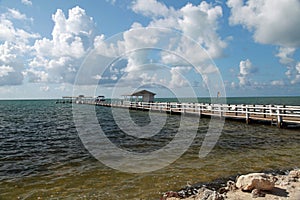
(41, 154)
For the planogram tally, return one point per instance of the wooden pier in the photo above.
(279, 115)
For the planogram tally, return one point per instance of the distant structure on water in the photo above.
(140, 96)
(81, 99)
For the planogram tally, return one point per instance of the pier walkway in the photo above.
(278, 115)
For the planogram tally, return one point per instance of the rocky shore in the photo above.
(265, 186)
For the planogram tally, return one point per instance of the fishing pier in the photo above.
(278, 115)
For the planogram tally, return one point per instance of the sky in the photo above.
(50, 49)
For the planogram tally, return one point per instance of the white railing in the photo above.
(239, 109)
(279, 113)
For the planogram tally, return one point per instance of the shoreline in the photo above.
(264, 185)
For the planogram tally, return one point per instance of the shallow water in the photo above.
(41, 154)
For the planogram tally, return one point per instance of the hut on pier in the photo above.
(140, 96)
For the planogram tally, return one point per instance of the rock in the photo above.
(260, 181)
(257, 193)
(294, 175)
(169, 195)
(207, 194)
(188, 191)
(223, 190)
(230, 186)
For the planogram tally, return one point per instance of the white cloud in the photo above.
(273, 22)
(246, 68)
(150, 8)
(58, 59)
(102, 48)
(12, 64)
(285, 54)
(26, 2)
(5, 70)
(178, 77)
(8, 32)
(294, 73)
(45, 88)
(200, 22)
(195, 43)
(111, 1)
(14, 45)
(298, 67)
(15, 14)
(277, 83)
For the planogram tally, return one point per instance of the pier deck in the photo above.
(278, 115)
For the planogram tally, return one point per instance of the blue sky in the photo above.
(50, 49)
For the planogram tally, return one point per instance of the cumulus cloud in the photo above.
(11, 65)
(26, 2)
(58, 59)
(150, 8)
(294, 73)
(200, 22)
(178, 77)
(14, 47)
(8, 31)
(5, 70)
(272, 22)
(13, 13)
(277, 83)
(246, 69)
(285, 54)
(194, 42)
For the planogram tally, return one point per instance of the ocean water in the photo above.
(42, 155)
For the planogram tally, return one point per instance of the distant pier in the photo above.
(278, 115)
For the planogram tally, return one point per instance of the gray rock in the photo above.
(294, 175)
(257, 193)
(260, 181)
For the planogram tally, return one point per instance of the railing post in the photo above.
(247, 115)
(235, 109)
(221, 110)
(279, 117)
(200, 111)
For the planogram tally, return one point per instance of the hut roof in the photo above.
(139, 93)
(142, 92)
